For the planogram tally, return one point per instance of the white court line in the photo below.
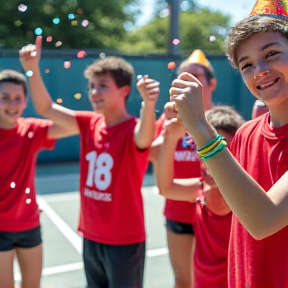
(56, 270)
(79, 265)
(66, 230)
(75, 240)
(73, 237)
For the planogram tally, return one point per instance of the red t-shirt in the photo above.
(263, 153)
(211, 247)
(18, 152)
(186, 165)
(112, 170)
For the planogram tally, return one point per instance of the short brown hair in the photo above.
(225, 118)
(121, 71)
(12, 76)
(209, 72)
(249, 26)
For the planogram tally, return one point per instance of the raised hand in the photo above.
(186, 92)
(148, 88)
(30, 55)
(169, 110)
(174, 128)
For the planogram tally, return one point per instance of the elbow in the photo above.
(260, 233)
(162, 191)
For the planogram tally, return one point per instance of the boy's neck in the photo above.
(116, 117)
(7, 126)
(278, 115)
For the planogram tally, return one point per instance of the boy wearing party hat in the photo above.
(257, 192)
(187, 164)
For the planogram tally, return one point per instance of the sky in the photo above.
(238, 10)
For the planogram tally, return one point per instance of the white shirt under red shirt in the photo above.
(263, 152)
(112, 170)
(18, 152)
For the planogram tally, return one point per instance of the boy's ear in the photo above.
(213, 84)
(126, 90)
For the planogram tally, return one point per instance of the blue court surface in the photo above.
(58, 197)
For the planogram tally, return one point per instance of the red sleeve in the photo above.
(41, 127)
(83, 119)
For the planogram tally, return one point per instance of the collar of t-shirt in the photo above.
(273, 133)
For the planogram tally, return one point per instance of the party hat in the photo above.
(271, 8)
(198, 57)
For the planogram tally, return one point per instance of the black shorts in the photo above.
(24, 239)
(179, 227)
(114, 266)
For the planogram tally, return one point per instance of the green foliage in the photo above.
(196, 29)
(105, 18)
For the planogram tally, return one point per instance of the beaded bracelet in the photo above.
(212, 148)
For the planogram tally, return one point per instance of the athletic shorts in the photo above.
(24, 239)
(113, 266)
(179, 227)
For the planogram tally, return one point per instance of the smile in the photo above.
(267, 85)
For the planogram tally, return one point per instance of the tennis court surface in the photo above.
(58, 197)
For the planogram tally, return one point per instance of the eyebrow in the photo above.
(263, 48)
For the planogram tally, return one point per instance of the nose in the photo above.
(261, 70)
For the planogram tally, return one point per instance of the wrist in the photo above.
(202, 133)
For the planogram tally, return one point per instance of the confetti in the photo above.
(171, 65)
(85, 23)
(80, 11)
(58, 44)
(47, 70)
(71, 16)
(81, 54)
(59, 101)
(49, 39)
(102, 55)
(12, 185)
(212, 38)
(67, 64)
(176, 41)
(74, 23)
(29, 73)
(38, 31)
(56, 21)
(77, 96)
(18, 23)
(22, 8)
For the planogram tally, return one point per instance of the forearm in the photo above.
(243, 194)
(43, 102)
(144, 134)
(165, 165)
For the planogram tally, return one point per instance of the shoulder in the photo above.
(34, 122)
(248, 127)
(87, 115)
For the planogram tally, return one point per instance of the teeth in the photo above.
(266, 85)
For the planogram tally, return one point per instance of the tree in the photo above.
(104, 21)
(198, 29)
